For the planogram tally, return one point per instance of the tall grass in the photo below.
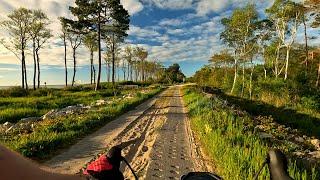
(236, 150)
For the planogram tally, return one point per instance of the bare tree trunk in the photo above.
(250, 83)
(287, 62)
(113, 60)
(22, 75)
(124, 70)
(318, 78)
(306, 43)
(99, 53)
(74, 67)
(65, 58)
(25, 74)
(143, 73)
(243, 80)
(128, 74)
(108, 71)
(235, 76)
(131, 72)
(34, 64)
(23, 63)
(91, 68)
(94, 75)
(25, 71)
(276, 66)
(38, 66)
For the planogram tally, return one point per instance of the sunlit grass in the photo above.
(237, 152)
(51, 135)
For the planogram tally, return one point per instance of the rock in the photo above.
(80, 108)
(11, 129)
(315, 154)
(264, 135)
(30, 119)
(315, 143)
(300, 154)
(7, 125)
(100, 102)
(26, 127)
(128, 96)
(49, 115)
(299, 139)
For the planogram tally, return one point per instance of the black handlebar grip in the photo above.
(278, 165)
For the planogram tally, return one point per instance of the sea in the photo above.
(48, 86)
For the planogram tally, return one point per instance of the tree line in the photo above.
(27, 27)
(273, 40)
(100, 26)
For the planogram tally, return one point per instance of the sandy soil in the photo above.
(158, 141)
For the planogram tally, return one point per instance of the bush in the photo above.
(310, 102)
(74, 88)
(42, 92)
(13, 92)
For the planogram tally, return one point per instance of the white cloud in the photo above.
(171, 22)
(142, 32)
(133, 6)
(206, 6)
(171, 4)
(175, 31)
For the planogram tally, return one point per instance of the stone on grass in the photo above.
(316, 143)
(299, 139)
(315, 154)
(264, 135)
(30, 119)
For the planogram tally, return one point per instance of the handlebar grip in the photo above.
(278, 165)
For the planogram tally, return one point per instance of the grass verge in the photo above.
(229, 140)
(52, 135)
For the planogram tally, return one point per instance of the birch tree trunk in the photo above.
(235, 75)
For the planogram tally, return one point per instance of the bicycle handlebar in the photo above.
(278, 165)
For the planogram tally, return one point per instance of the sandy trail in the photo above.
(157, 139)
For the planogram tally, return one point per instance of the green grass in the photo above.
(52, 135)
(236, 150)
(12, 109)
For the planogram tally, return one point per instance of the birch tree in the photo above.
(286, 16)
(238, 33)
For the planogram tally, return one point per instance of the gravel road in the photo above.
(157, 139)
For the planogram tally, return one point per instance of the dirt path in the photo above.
(157, 139)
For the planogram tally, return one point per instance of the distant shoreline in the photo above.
(48, 86)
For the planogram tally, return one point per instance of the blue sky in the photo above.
(173, 31)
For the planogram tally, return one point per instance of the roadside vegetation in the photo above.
(264, 69)
(230, 141)
(51, 135)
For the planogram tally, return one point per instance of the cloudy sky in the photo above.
(173, 31)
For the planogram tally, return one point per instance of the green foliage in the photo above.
(172, 75)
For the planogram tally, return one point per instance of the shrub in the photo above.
(13, 92)
(42, 92)
(310, 102)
